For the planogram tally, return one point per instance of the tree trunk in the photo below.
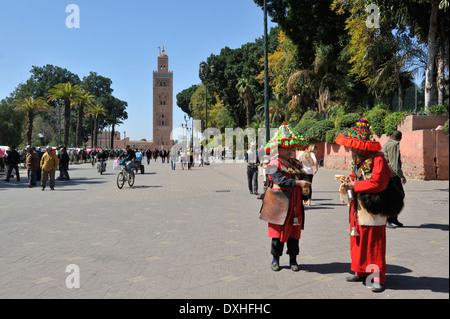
(95, 132)
(112, 136)
(30, 119)
(440, 76)
(441, 58)
(66, 122)
(431, 53)
(80, 125)
(399, 90)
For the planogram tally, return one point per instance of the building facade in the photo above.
(162, 103)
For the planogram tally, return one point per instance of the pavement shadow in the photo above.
(81, 181)
(331, 268)
(443, 227)
(146, 186)
(395, 278)
(401, 282)
(338, 267)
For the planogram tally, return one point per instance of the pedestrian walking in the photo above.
(391, 151)
(202, 153)
(13, 161)
(173, 159)
(63, 159)
(148, 154)
(182, 158)
(370, 175)
(252, 159)
(310, 168)
(49, 163)
(190, 155)
(282, 205)
(32, 164)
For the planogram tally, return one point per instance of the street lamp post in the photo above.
(266, 96)
(266, 76)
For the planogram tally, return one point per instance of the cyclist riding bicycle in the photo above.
(129, 156)
(102, 157)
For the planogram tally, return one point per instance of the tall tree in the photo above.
(31, 106)
(306, 23)
(115, 113)
(95, 110)
(431, 54)
(68, 93)
(84, 99)
(246, 93)
(11, 123)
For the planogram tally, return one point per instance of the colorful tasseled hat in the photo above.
(359, 137)
(286, 137)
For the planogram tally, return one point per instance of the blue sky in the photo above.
(119, 39)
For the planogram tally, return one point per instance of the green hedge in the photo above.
(317, 133)
(391, 122)
(376, 118)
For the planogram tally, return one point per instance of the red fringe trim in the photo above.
(358, 144)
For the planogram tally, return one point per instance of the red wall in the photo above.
(425, 155)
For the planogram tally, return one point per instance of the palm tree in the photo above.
(31, 106)
(95, 110)
(84, 99)
(246, 94)
(68, 93)
(277, 110)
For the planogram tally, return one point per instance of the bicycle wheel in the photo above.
(120, 180)
(131, 179)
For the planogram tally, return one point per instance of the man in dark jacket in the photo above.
(13, 161)
(64, 159)
(391, 150)
(129, 156)
(32, 164)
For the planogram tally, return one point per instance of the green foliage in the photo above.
(376, 118)
(391, 122)
(445, 129)
(184, 99)
(347, 121)
(43, 79)
(317, 133)
(310, 116)
(11, 123)
(303, 126)
(438, 110)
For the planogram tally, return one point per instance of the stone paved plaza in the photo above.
(195, 234)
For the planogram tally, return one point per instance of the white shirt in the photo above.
(309, 168)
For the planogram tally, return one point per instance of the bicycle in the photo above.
(124, 176)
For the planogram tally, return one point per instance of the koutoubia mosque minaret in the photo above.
(162, 103)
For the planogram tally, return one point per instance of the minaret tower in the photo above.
(162, 103)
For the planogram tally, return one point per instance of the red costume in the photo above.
(287, 230)
(371, 174)
(369, 248)
(284, 172)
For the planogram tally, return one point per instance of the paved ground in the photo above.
(196, 235)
